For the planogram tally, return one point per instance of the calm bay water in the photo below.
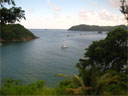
(43, 58)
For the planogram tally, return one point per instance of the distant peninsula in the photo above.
(15, 32)
(84, 27)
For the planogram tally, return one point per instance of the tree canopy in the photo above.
(105, 64)
(11, 15)
(7, 1)
(109, 53)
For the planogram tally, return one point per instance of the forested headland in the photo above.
(15, 32)
(9, 30)
(83, 27)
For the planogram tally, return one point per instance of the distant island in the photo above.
(15, 32)
(84, 27)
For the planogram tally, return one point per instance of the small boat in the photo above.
(0, 44)
(100, 32)
(64, 46)
(67, 35)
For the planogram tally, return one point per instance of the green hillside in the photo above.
(15, 32)
(83, 27)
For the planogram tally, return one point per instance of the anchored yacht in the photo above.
(64, 46)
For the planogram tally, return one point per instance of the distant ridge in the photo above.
(83, 27)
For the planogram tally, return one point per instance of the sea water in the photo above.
(43, 58)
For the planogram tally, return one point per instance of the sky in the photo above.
(62, 14)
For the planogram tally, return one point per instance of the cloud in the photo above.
(105, 15)
(61, 21)
(94, 3)
(68, 17)
(56, 8)
(49, 2)
(83, 14)
(114, 3)
(102, 17)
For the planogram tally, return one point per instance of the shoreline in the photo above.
(15, 40)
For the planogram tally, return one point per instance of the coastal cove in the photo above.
(43, 58)
(63, 48)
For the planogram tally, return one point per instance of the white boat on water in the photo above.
(0, 44)
(64, 46)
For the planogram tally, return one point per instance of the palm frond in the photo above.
(79, 80)
(64, 75)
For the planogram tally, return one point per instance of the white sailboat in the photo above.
(64, 46)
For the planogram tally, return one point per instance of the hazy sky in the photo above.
(62, 14)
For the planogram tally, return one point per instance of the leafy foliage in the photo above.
(11, 15)
(124, 9)
(11, 87)
(105, 65)
(112, 83)
(7, 1)
(110, 53)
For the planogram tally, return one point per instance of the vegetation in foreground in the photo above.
(103, 71)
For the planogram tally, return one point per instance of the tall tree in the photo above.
(110, 53)
(124, 8)
(102, 57)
